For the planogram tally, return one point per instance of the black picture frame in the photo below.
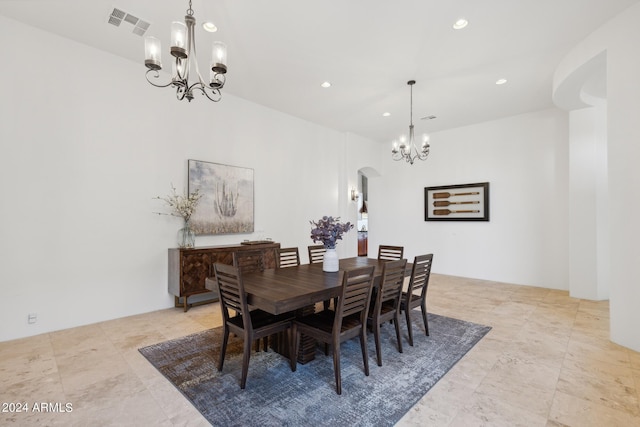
(460, 202)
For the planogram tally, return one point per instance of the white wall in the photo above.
(589, 226)
(86, 142)
(619, 38)
(525, 160)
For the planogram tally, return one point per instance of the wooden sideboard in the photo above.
(189, 268)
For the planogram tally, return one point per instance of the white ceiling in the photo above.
(280, 51)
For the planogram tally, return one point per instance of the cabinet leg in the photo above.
(184, 305)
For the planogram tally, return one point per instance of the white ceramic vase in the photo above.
(330, 262)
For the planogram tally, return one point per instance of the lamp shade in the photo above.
(178, 39)
(152, 53)
(219, 58)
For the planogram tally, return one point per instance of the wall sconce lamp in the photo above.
(354, 194)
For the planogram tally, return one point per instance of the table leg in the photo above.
(307, 349)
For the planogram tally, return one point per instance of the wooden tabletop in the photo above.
(285, 289)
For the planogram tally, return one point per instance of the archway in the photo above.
(362, 222)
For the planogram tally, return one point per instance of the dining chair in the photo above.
(287, 257)
(390, 253)
(249, 261)
(416, 294)
(316, 253)
(347, 321)
(248, 324)
(387, 302)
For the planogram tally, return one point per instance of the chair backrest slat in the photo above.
(390, 253)
(316, 253)
(391, 282)
(420, 273)
(249, 261)
(288, 257)
(230, 290)
(356, 292)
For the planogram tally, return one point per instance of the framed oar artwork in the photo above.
(461, 202)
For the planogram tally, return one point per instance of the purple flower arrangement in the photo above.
(328, 230)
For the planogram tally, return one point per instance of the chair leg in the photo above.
(223, 348)
(424, 317)
(407, 316)
(336, 366)
(396, 322)
(363, 346)
(245, 361)
(376, 336)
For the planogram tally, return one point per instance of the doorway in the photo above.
(362, 223)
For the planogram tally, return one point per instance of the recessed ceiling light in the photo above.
(210, 27)
(501, 81)
(460, 24)
(387, 114)
(326, 84)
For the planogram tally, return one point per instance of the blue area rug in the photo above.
(275, 396)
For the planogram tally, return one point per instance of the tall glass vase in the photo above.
(330, 262)
(186, 236)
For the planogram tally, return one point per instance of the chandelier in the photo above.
(407, 150)
(183, 49)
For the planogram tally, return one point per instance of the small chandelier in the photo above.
(183, 49)
(407, 150)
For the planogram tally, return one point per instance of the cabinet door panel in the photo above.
(195, 269)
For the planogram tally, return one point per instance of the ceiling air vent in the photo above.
(141, 27)
(117, 16)
(131, 19)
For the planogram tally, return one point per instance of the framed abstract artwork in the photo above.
(462, 202)
(226, 206)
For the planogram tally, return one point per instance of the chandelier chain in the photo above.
(411, 105)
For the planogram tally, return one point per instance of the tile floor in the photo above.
(546, 362)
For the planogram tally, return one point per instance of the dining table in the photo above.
(299, 288)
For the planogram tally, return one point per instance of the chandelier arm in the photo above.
(218, 81)
(182, 70)
(211, 93)
(156, 75)
(181, 90)
(195, 56)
